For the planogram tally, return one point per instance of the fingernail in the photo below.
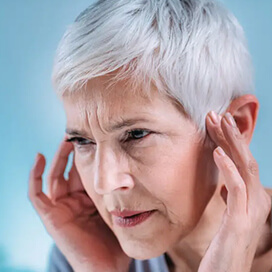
(214, 117)
(220, 151)
(230, 119)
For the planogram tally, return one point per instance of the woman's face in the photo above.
(163, 166)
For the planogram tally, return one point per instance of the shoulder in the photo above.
(57, 261)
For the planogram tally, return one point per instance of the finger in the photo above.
(59, 189)
(74, 179)
(237, 193)
(57, 185)
(79, 202)
(60, 159)
(247, 167)
(39, 200)
(213, 124)
(231, 140)
(241, 154)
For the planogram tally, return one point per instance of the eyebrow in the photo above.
(116, 126)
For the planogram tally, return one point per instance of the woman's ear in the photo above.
(245, 110)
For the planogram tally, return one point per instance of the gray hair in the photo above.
(194, 51)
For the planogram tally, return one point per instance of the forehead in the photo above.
(97, 97)
(98, 106)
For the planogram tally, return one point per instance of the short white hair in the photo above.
(194, 51)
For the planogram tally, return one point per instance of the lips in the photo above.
(126, 213)
(130, 218)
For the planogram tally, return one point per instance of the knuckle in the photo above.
(253, 167)
(238, 135)
(31, 175)
(50, 177)
(239, 167)
(239, 188)
(220, 134)
(230, 167)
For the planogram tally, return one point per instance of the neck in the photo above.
(187, 254)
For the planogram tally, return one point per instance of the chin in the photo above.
(150, 240)
(150, 245)
(141, 252)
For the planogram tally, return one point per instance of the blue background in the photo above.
(32, 119)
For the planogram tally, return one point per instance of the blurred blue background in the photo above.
(32, 119)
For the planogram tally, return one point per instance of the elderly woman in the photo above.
(160, 111)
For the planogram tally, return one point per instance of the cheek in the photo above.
(172, 182)
(86, 175)
(169, 175)
(178, 183)
(86, 178)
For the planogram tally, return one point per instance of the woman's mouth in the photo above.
(130, 218)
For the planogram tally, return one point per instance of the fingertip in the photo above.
(38, 157)
(39, 165)
(219, 151)
(66, 143)
(208, 118)
(68, 146)
(219, 156)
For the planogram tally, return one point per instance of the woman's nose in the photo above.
(111, 172)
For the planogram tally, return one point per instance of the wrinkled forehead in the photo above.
(101, 96)
(100, 107)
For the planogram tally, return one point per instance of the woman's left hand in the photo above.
(248, 204)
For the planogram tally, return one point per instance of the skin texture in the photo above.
(172, 170)
(158, 173)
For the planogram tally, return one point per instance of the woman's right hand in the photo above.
(71, 218)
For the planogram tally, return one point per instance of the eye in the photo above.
(79, 141)
(133, 135)
(137, 134)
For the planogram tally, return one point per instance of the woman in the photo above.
(160, 113)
